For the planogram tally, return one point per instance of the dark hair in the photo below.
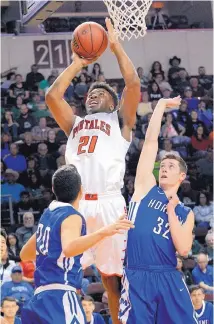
(198, 198)
(17, 241)
(10, 299)
(66, 183)
(9, 75)
(3, 233)
(4, 120)
(87, 298)
(182, 163)
(105, 86)
(194, 288)
(24, 193)
(93, 70)
(153, 68)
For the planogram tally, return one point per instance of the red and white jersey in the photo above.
(97, 148)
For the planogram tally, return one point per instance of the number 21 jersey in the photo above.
(96, 147)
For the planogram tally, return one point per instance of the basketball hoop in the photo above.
(128, 17)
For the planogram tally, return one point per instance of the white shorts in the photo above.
(107, 255)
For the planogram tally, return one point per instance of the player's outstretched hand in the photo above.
(118, 227)
(173, 102)
(82, 62)
(112, 36)
(173, 202)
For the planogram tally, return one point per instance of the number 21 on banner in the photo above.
(89, 141)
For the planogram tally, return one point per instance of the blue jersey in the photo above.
(51, 264)
(150, 242)
(205, 313)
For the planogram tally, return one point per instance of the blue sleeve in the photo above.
(210, 313)
(30, 288)
(4, 290)
(98, 319)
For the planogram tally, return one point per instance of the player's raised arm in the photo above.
(60, 109)
(131, 93)
(73, 244)
(144, 177)
(28, 251)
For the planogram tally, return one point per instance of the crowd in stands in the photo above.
(33, 147)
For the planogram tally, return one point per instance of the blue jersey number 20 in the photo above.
(42, 240)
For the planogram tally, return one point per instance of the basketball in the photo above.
(90, 40)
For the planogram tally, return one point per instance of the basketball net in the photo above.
(128, 17)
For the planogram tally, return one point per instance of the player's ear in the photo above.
(111, 108)
(182, 176)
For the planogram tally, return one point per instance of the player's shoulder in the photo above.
(209, 306)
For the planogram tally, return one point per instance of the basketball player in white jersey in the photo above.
(97, 147)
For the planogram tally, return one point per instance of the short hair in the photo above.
(105, 86)
(194, 288)
(66, 183)
(3, 233)
(10, 299)
(182, 163)
(24, 193)
(87, 298)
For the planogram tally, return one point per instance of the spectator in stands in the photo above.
(3, 169)
(60, 161)
(204, 80)
(196, 122)
(196, 181)
(186, 274)
(145, 106)
(33, 78)
(197, 89)
(101, 77)
(3, 244)
(187, 194)
(129, 191)
(96, 71)
(45, 84)
(173, 130)
(159, 79)
(203, 210)
(16, 109)
(203, 309)
(27, 230)
(192, 102)
(156, 69)
(182, 82)
(17, 288)
(25, 177)
(13, 247)
(46, 164)
(89, 307)
(18, 88)
(146, 124)
(205, 165)
(9, 308)
(167, 149)
(28, 148)
(51, 143)
(15, 161)
(81, 87)
(6, 267)
(209, 245)
(46, 200)
(10, 187)
(5, 144)
(35, 188)
(154, 92)
(25, 204)
(9, 125)
(196, 246)
(203, 273)
(175, 68)
(26, 121)
(41, 111)
(40, 132)
(7, 83)
(199, 140)
(167, 93)
(205, 115)
(144, 81)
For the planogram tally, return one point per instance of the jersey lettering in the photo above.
(84, 140)
(42, 240)
(158, 229)
(92, 124)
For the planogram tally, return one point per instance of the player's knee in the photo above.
(111, 284)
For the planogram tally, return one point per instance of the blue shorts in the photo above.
(156, 295)
(53, 307)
